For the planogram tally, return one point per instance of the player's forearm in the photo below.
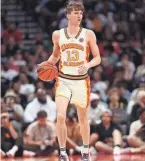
(94, 62)
(53, 60)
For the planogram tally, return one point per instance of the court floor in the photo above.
(100, 157)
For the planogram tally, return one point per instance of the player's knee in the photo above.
(61, 118)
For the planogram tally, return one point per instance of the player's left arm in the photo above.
(95, 52)
(94, 49)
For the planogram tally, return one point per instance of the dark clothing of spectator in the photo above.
(135, 114)
(11, 50)
(7, 142)
(16, 34)
(104, 133)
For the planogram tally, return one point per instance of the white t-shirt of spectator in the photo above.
(134, 127)
(26, 89)
(35, 106)
(41, 133)
(10, 74)
(95, 113)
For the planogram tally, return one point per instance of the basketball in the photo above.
(47, 72)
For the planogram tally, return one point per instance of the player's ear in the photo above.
(67, 16)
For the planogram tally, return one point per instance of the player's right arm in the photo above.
(54, 58)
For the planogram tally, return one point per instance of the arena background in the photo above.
(26, 30)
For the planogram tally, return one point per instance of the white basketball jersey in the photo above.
(74, 51)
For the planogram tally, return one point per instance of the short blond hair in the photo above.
(72, 5)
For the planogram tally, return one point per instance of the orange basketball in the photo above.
(47, 72)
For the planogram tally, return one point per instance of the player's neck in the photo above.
(73, 30)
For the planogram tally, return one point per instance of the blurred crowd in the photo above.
(117, 102)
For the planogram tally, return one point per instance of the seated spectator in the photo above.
(11, 47)
(139, 105)
(107, 135)
(9, 136)
(41, 136)
(19, 60)
(26, 88)
(136, 138)
(95, 109)
(123, 91)
(11, 142)
(100, 86)
(21, 99)
(140, 88)
(118, 108)
(128, 66)
(41, 102)
(7, 73)
(112, 56)
(12, 31)
(74, 139)
(140, 71)
(15, 110)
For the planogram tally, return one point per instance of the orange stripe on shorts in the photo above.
(88, 90)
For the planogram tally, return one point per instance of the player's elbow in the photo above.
(98, 60)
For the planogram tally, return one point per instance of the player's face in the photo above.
(75, 17)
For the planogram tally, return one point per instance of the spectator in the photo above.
(118, 108)
(11, 47)
(7, 73)
(129, 67)
(74, 140)
(15, 110)
(112, 57)
(41, 136)
(107, 69)
(10, 142)
(19, 60)
(140, 71)
(107, 136)
(140, 88)
(99, 85)
(26, 88)
(12, 31)
(139, 105)
(21, 98)
(123, 91)
(95, 109)
(40, 102)
(136, 138)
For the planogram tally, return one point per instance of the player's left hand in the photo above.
(83, 69)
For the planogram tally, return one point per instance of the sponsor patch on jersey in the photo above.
(81, 39)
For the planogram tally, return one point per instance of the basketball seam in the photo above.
(49, 74)
(43, 72)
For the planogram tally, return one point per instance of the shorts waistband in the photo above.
(73, 77)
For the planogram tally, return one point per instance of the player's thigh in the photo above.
(62, 97)
(61, 105)
(81, 94)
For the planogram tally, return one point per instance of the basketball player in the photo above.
(71, 47)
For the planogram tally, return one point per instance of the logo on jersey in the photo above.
(81, 39)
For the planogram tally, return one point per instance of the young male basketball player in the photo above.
(72, 46)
